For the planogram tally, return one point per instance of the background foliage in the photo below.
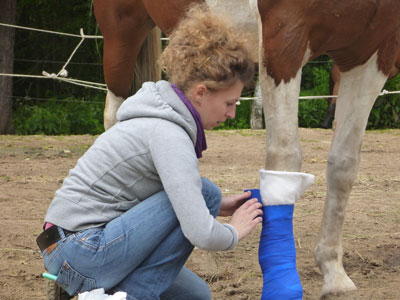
(45, 106)
(50, 107)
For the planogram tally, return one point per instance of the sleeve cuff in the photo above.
(234, 234)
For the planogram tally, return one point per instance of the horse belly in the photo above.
(242, 15)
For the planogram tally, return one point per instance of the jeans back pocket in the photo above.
(72, 281)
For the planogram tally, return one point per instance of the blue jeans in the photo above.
(142, 252)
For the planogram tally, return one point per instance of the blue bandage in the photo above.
(277, 255)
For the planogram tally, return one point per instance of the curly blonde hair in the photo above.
(207, 48)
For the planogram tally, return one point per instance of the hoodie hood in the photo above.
(158, 100)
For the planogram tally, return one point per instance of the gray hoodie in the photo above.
(151, 148)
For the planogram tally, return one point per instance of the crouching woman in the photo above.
(131, 211)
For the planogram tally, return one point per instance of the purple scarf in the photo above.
(201, 143)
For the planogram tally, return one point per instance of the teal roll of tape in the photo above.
(49, 276)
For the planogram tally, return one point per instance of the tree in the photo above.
(7, 16)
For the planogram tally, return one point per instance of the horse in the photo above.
(125, 25)
(361, 37)
(334, 82)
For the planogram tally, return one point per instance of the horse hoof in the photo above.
(337, 286)
(349, 295)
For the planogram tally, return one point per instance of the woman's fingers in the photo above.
(246, 217)
(250, 202)
(254, 205)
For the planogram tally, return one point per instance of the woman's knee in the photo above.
(201, 292)
(187, 285)
(212, 195)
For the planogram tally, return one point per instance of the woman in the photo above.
(129, 214)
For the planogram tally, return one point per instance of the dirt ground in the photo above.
(33, 167)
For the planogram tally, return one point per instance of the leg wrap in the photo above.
(277, 254)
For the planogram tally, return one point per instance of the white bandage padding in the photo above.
(283, 188)
(99, 294)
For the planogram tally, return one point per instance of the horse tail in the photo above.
(147, 67)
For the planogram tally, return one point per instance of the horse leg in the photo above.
(124, 25)
(280, 77)
(281, 122)
(256, 110)
(334, 81)
(280, 102)
(358, 90)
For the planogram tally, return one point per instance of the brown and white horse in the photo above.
(361, 36)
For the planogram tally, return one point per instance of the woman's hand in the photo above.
(231, 203)
(246, 217)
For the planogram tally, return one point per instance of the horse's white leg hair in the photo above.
(357, 93)
(110, 111)
(256, 110)
(281, 121)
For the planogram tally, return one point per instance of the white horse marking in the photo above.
(110, 111)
